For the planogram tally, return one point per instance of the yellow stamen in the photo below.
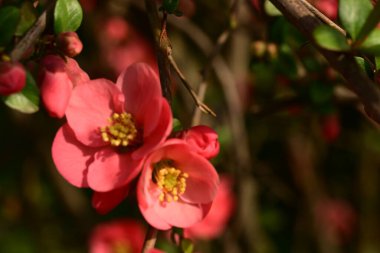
(122, 130)
(170, 179)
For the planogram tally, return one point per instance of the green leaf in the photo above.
(365, 66)
(187, 246)
(270, 9)
(27, 18)
(377, 62)
(370, 23)
(68, 16)
(372, 43)
(353, 15)
(9, 18)
(27, 100)
(329, 38)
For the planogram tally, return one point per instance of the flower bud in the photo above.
(56, 85)
(202, 139)
(69, 43)
(12, 78)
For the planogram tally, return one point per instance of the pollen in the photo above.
(170, 180)
(122, 130)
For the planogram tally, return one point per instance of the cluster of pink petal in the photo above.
(80, 154)
(189, 154)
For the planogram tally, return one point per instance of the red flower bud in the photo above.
(69, 43)
(12, 78)
(202, 139)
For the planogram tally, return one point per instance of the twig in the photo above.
(32, 35)
(323, 17)
(150, 239)
(197, 101)
(306, 21)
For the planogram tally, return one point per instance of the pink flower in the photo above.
(12, 78)
(176, 187)
(110, 129)
(117, 236)
(202, 139)
(69, 43)
(216, 220)
(57, 79)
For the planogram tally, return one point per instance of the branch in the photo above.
(32, 35)
(306, 21)
(161, 48)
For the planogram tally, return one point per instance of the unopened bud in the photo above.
(12, 78)
(69, 43)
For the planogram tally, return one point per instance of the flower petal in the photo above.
(111, 170)
(71, 157)
(159, 134)
(89, 108)
(180, 214)
(140, 85)
(104, 202)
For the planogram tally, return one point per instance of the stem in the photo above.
(150, 239)
(32, 35)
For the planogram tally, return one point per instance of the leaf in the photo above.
(27, 18)
(329, 38)
(372, 43)
(271, 10)
(68, 16)
(370, 23)
(27, 100)
(377, 61)
(9, 18)
(177, 125)
(353, 15)
(365, 66)
(187, 246)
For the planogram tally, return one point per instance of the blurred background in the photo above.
(301, 158)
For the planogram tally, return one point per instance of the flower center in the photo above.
(171, 180)
(122, 131)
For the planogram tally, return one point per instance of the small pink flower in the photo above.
(57, 79)
(176, 187)
(69, 43)
(12, 78)
(117, 236)
(203, 140)
(216, 220)
(111, 128)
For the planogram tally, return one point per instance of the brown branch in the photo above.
(161, 47)
(31, 36)
(306, 21)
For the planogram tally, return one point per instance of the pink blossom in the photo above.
(111, 128)
(12, 78)
(176, 187)
(117, 236)
(216, 220)
(57, 79)
(203, 140)
(69, 43)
